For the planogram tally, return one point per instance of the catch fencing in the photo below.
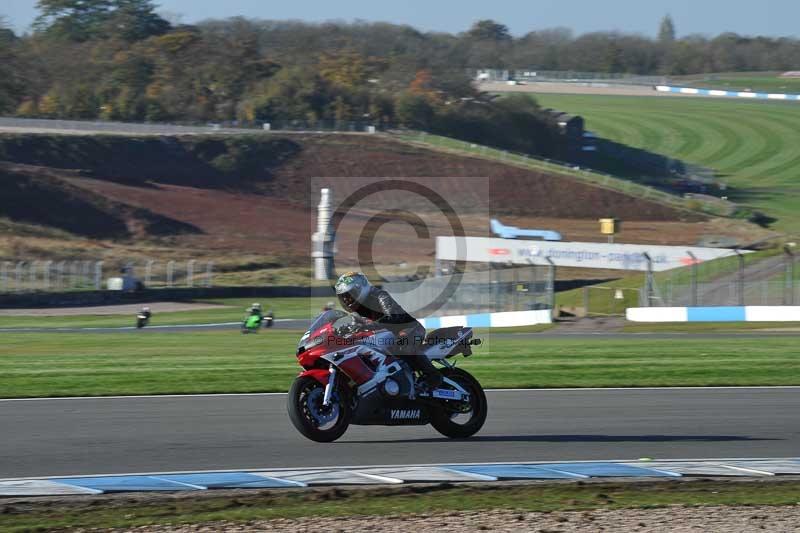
(490, 291)
(738, 280)
(60, 276)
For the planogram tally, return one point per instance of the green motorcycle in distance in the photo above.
(252, 323)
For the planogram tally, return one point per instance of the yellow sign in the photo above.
(608, 226)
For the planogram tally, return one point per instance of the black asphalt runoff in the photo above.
(174, 433)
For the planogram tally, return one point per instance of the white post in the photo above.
(148, 272)
(3, 276)
(46, 274)
(18, 273)
(190, 273)
(209, 274)
(322, 241)
(98, 275)
(170, 273)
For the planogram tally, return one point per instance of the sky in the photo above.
(710, 17)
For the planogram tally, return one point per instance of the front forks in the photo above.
(326, 398)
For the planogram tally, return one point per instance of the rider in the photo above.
(145, 312)
(255, 310)
(359, 296)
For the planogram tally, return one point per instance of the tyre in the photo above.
(459, 420)
(310, 417)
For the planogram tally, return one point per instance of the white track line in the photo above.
(544, 390)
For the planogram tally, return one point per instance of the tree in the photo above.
(414, 110)
(84, 20)
(666, 31)
(489, 30)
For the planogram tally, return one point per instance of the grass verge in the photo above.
(130, 511)
(230, 310)
(65, 364)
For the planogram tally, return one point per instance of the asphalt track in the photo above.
(173, 433)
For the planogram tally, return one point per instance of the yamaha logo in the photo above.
(405, 414)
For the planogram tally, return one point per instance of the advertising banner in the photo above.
(572, 254)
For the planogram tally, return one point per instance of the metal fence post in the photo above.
(740, 278)
(190, 273)
(32, 275)
(648, 280)
(788, 292)
(170, 273)
(46, 274)
(551, 284)
(694, 278)
(3, 276)
(98, 275)
(148, 272)
(19, 271)
(209, 274)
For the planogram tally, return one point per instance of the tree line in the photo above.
(121, 60)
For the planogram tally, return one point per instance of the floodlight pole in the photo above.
(740, 278)
(694, 278)
(648, 280)
(551, 284)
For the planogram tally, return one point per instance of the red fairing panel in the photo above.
(319, 374)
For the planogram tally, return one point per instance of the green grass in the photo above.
(707, 327)
(65, 364)
(450, 145)
(230, 310)
(127, 512)
(757, 82)
(755, 146)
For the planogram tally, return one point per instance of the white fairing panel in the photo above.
(444, 347)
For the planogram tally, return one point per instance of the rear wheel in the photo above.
(459, 420)
(314, 420)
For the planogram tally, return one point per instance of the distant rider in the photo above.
(359, 296)
(255, 310)
(145, 312)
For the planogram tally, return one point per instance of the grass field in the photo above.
(238, 510)
(230, 310)
(64, 364)
(755, 146)
(744, 81)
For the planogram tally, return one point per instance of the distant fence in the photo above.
(490, 291)
(224, 127)
(692, 91)
(732, 281)
(61, 276)
(565, 76)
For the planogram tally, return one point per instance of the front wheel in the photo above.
(310, 417)
(459, 420)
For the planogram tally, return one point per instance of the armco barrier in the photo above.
(692, 91)
(754, 313)
(491, 320)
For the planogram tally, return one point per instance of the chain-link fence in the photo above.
(59, 276)
(496, 290)
(733, 281)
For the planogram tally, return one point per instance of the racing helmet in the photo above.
(256, 306)
(351, 288)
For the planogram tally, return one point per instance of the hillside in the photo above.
(244, 197)
(753, 146)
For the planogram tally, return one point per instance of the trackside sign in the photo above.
(572, 254)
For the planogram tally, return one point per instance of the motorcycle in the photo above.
(142, 320)
(349, 377)
(252, 323)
